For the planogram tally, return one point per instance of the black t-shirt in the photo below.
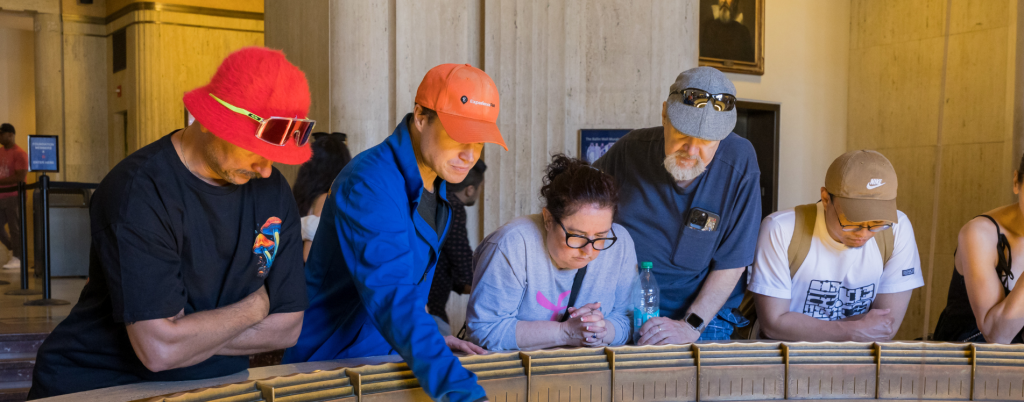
(432, 210)
(162, 241)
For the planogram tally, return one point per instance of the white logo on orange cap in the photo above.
(875, 183)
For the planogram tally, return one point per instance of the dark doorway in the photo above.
(758, 122)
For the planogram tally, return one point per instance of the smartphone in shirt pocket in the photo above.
(697, 239)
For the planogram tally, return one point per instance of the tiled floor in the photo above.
(16, 317)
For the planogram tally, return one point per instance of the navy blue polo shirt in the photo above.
(653, 209)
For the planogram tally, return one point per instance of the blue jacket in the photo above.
(370, 269)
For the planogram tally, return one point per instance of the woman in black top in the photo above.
(983, 305)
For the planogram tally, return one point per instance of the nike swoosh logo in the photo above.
(873, 186)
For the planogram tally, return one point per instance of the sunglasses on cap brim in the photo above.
(276, 130)
(700, 98)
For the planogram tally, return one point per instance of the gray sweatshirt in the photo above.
(515, 280)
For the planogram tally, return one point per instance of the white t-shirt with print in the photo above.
(835, 281)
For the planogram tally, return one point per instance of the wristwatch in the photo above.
(694, 320)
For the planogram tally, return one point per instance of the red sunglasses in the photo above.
(276, 130)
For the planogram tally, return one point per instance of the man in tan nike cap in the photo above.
(817, 274)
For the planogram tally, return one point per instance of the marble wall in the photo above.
(931, 87)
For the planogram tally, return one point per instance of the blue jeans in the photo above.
(721, 327)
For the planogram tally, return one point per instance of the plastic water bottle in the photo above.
(646, 298)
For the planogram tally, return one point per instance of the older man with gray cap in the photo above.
(690, 198)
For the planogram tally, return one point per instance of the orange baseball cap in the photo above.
(466, 101)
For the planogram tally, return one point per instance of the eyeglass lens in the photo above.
(581, 242)
(277, 130)
(577, 241)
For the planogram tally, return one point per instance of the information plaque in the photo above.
(43, 153)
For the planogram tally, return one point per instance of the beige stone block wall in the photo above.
(938, 102)
(561, 66)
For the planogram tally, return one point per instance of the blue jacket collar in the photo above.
(400, 142)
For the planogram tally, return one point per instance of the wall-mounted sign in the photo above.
(43, 153)
(594, 143)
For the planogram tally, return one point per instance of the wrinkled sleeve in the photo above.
(286, 283)
(737, 247)
(624, 289)
(498, 291)
(374, 242)
(771, 275)
(143, 271)
(903, 271)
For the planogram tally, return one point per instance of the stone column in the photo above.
(49, 75)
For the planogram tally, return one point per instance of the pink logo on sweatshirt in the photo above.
(554, 307)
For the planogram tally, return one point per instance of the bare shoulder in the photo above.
(978, 229)
(976, 245)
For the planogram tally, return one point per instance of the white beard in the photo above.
(680, 173)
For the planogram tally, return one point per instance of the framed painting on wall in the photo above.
(732, 35)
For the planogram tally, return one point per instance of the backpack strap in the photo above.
(803, 232)
(886, 241)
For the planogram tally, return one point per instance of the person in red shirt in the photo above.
(13, 167)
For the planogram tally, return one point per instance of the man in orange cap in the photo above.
(371, 263)
(196, 258)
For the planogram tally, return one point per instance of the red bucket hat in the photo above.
(263, 82)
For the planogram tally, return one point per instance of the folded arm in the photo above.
(878, 324)
(277, 331)
(185, 340)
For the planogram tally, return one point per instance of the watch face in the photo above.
(694, 320)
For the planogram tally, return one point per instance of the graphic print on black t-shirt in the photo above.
(265, 248)
(829, 300)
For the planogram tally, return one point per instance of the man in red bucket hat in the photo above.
(370, 267)
(196, 258)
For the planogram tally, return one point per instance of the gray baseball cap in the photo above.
(706, 122)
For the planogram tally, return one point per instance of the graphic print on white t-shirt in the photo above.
(830, 300)
(834, 281)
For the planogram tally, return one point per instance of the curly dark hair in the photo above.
(571, 183)
(330, 155)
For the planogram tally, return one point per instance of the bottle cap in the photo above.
(646, 265)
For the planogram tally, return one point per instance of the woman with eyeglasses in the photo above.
(558, 278)
(983, 304)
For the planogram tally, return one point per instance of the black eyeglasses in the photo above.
(856, 228)
(579, 241)
(699, 98)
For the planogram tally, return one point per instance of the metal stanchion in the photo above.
(23, 210)
(44, 180)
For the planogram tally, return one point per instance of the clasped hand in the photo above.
(586, 326)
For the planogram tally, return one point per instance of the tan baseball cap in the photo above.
(863, 184)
